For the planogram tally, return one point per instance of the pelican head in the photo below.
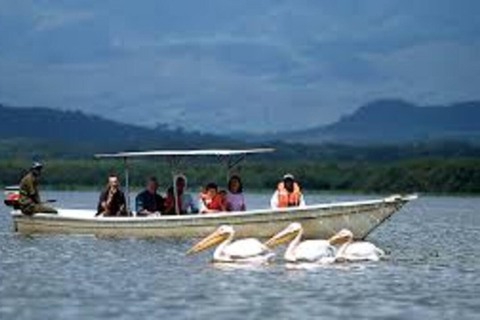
(341, 237)
(218, 236)
(284, 236)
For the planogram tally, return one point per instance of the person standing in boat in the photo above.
(112, 200)
(186, 202)
(149, 201)
(288, 194)
(29, 200)
(235, 199)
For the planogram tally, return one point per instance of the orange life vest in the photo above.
(288, 199)
(215, 203)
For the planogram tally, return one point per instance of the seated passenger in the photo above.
(288, 194)
(211, 200)
(186, 203)
(29, 197)
(149, 201)
(235, 199)
(112, 200)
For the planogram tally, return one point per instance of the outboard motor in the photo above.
(12, 194)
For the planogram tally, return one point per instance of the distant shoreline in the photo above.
(426, 176)
(196, 189)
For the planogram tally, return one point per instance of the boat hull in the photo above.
(319, 221)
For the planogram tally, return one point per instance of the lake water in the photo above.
(432, 272)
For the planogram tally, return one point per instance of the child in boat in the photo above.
(235, 200)
(211, 200)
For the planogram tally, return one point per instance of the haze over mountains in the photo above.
(379, 122)
(397, 121)
(77, 133)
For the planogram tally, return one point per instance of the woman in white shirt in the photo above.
(235, 198)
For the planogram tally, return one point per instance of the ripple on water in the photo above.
(432, 271)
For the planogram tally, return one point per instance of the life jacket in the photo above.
(215, 203)
(288, 199)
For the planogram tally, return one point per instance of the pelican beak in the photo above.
(210, 241)
(281, 238)
(338, 239)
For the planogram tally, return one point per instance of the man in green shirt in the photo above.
(29, 201)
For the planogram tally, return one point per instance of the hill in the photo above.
(75, 133)
(397, 121)
(28, 133)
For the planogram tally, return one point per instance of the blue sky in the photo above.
(230, 65)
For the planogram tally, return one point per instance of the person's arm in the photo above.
(191, 204)
(34, 192)
(123, 203)
(302, 201)
(31, 190)
(274, 200)
(244, 203)
(223, 204)
(139, 205)
(202, 206)
(101, 207)
(160, 203)
(169, 204)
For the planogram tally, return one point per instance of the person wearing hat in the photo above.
(29, 201)
(288, 194)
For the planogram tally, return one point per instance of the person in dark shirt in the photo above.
(149, 201)
(29, 199)
(112, 201)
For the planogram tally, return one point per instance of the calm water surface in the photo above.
(432, 272)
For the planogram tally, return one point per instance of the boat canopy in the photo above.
(181, 153)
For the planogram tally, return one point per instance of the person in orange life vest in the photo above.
(211, 200)
(288, 194)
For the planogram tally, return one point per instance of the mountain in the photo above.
(78, 133)
(396, 121)
(42, 132)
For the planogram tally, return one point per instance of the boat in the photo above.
(318, 220)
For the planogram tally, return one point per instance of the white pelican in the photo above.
(354, 251)
(311, 251)
(240, 251)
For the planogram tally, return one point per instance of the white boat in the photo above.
(319, 220)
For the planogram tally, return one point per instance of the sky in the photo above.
(236, 65)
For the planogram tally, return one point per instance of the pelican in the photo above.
(311, 251)
(354, 251)
(240, 251)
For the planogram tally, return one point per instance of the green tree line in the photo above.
(418, 175)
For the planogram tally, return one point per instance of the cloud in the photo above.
(55, 19)
(249, 65)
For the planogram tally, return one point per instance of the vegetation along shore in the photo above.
(413, 175)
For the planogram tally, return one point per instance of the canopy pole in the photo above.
(175, 193)
(231, 163)
(173, 165)
(127, 184)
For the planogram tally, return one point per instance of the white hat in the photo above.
(288, 176)
(37, 165)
